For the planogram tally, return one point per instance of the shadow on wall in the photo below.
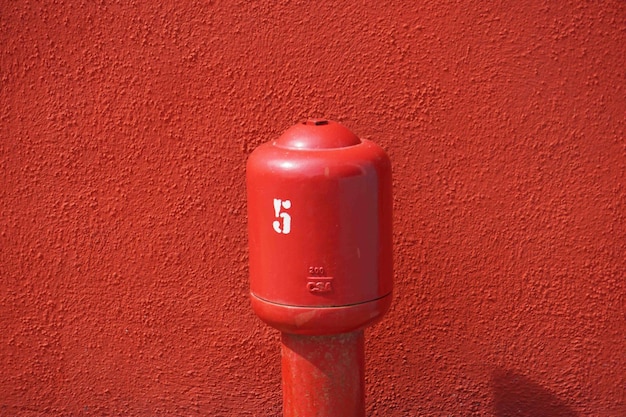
(517, 396)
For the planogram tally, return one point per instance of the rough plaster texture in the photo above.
(124, 129)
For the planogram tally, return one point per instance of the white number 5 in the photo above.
(286, 218)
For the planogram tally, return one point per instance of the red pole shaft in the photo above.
(323, 376)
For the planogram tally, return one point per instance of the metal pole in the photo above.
(323, 376)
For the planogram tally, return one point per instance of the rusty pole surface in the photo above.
(323, 376)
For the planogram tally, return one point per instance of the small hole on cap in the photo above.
(316, 122)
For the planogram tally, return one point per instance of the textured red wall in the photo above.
(124, 131)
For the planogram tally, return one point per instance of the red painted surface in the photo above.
(124, 130)
(321, 270)
(320, 230)
(323, 375)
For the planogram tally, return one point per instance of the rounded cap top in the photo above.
(317, 134)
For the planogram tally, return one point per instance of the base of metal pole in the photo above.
(323, 376)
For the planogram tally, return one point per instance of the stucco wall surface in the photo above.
(124, 131)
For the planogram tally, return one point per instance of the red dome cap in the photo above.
(317, 134)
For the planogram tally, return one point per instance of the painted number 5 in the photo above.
(283, 224)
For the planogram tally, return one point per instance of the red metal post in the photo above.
(319, 222)
(323, 375)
